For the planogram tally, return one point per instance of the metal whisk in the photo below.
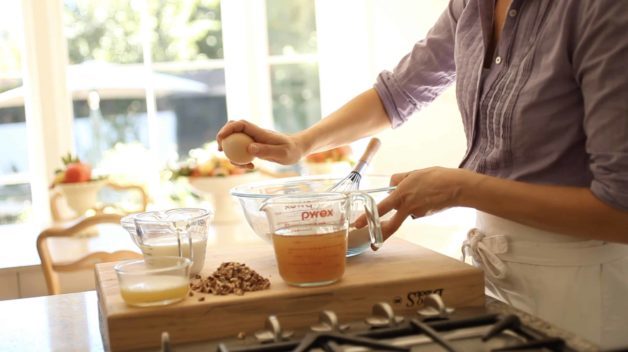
(352, 181)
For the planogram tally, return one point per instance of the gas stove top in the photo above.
(435, 327)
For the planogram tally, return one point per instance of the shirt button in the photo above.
(512, 13)
(498, 60)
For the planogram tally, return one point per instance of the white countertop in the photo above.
(51, 323)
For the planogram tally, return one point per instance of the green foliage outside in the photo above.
(110, 31)
(291, 27)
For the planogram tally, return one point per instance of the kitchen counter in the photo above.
(70, 323)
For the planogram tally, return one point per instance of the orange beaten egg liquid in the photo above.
(310, 260)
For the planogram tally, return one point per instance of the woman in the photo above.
(542, 87)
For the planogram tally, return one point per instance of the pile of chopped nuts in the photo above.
(230, 277)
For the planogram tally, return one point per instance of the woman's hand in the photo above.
(268, 145)
(418, 193)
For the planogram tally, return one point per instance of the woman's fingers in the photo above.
(276, 153)
(249, 166)
(268, 145)
(390, 226)
(257, 133)
(229, 128)
(389, 203)
(383, 208)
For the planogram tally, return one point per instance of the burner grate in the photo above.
(437, 328)
(507, 330)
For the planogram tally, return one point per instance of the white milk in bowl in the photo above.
(168, 246)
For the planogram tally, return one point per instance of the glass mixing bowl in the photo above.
(252, 195)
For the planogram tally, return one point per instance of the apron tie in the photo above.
(484, 249)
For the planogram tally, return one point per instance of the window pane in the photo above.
(291, 27)
(296, 96)
(106, 78)
(15, 194)
(294, 82)
(193, 117)
(109, 80)
(186, 30)
(105, 31)
(188, 47)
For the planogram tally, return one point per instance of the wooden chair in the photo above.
(86, 261)
(61, 212)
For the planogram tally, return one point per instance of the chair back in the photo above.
(60, 210)
(86, 260)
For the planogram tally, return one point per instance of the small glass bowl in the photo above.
(156, 281)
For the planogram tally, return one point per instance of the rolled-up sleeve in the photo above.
(600, 63)
(424, 73)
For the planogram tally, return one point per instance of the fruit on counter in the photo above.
(215, 166)
(77, 172)
(74, 171)
(236, 146)
(338, 154)
(207, 161)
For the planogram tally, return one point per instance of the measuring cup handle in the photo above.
(372, 217)
(190, 246)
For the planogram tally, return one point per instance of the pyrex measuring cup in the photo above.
(171, 233)
(309, 234)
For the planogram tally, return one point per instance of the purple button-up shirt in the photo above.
(552, 108)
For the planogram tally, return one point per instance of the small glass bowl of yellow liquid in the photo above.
(156, 281)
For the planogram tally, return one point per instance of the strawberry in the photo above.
(77, 172)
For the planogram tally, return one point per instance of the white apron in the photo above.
(578, 285)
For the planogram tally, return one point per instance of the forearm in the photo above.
(363, 116)
(568, 210)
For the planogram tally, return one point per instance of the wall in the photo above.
(380, 34)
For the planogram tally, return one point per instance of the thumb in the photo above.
(276, 153)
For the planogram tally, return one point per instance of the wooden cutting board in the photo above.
(400, 273)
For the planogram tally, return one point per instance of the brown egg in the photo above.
(236, 146)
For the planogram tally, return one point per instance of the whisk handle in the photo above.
(371, 149)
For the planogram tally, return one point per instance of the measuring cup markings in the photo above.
(311, 258)
(309, 233)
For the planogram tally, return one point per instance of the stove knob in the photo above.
(328, 322)
(165, 342)
(273, 331)
(383, 316)
(434, 308)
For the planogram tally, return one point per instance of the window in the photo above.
(292, 46)
(152, 73)
(148, 72)
(15, 193)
